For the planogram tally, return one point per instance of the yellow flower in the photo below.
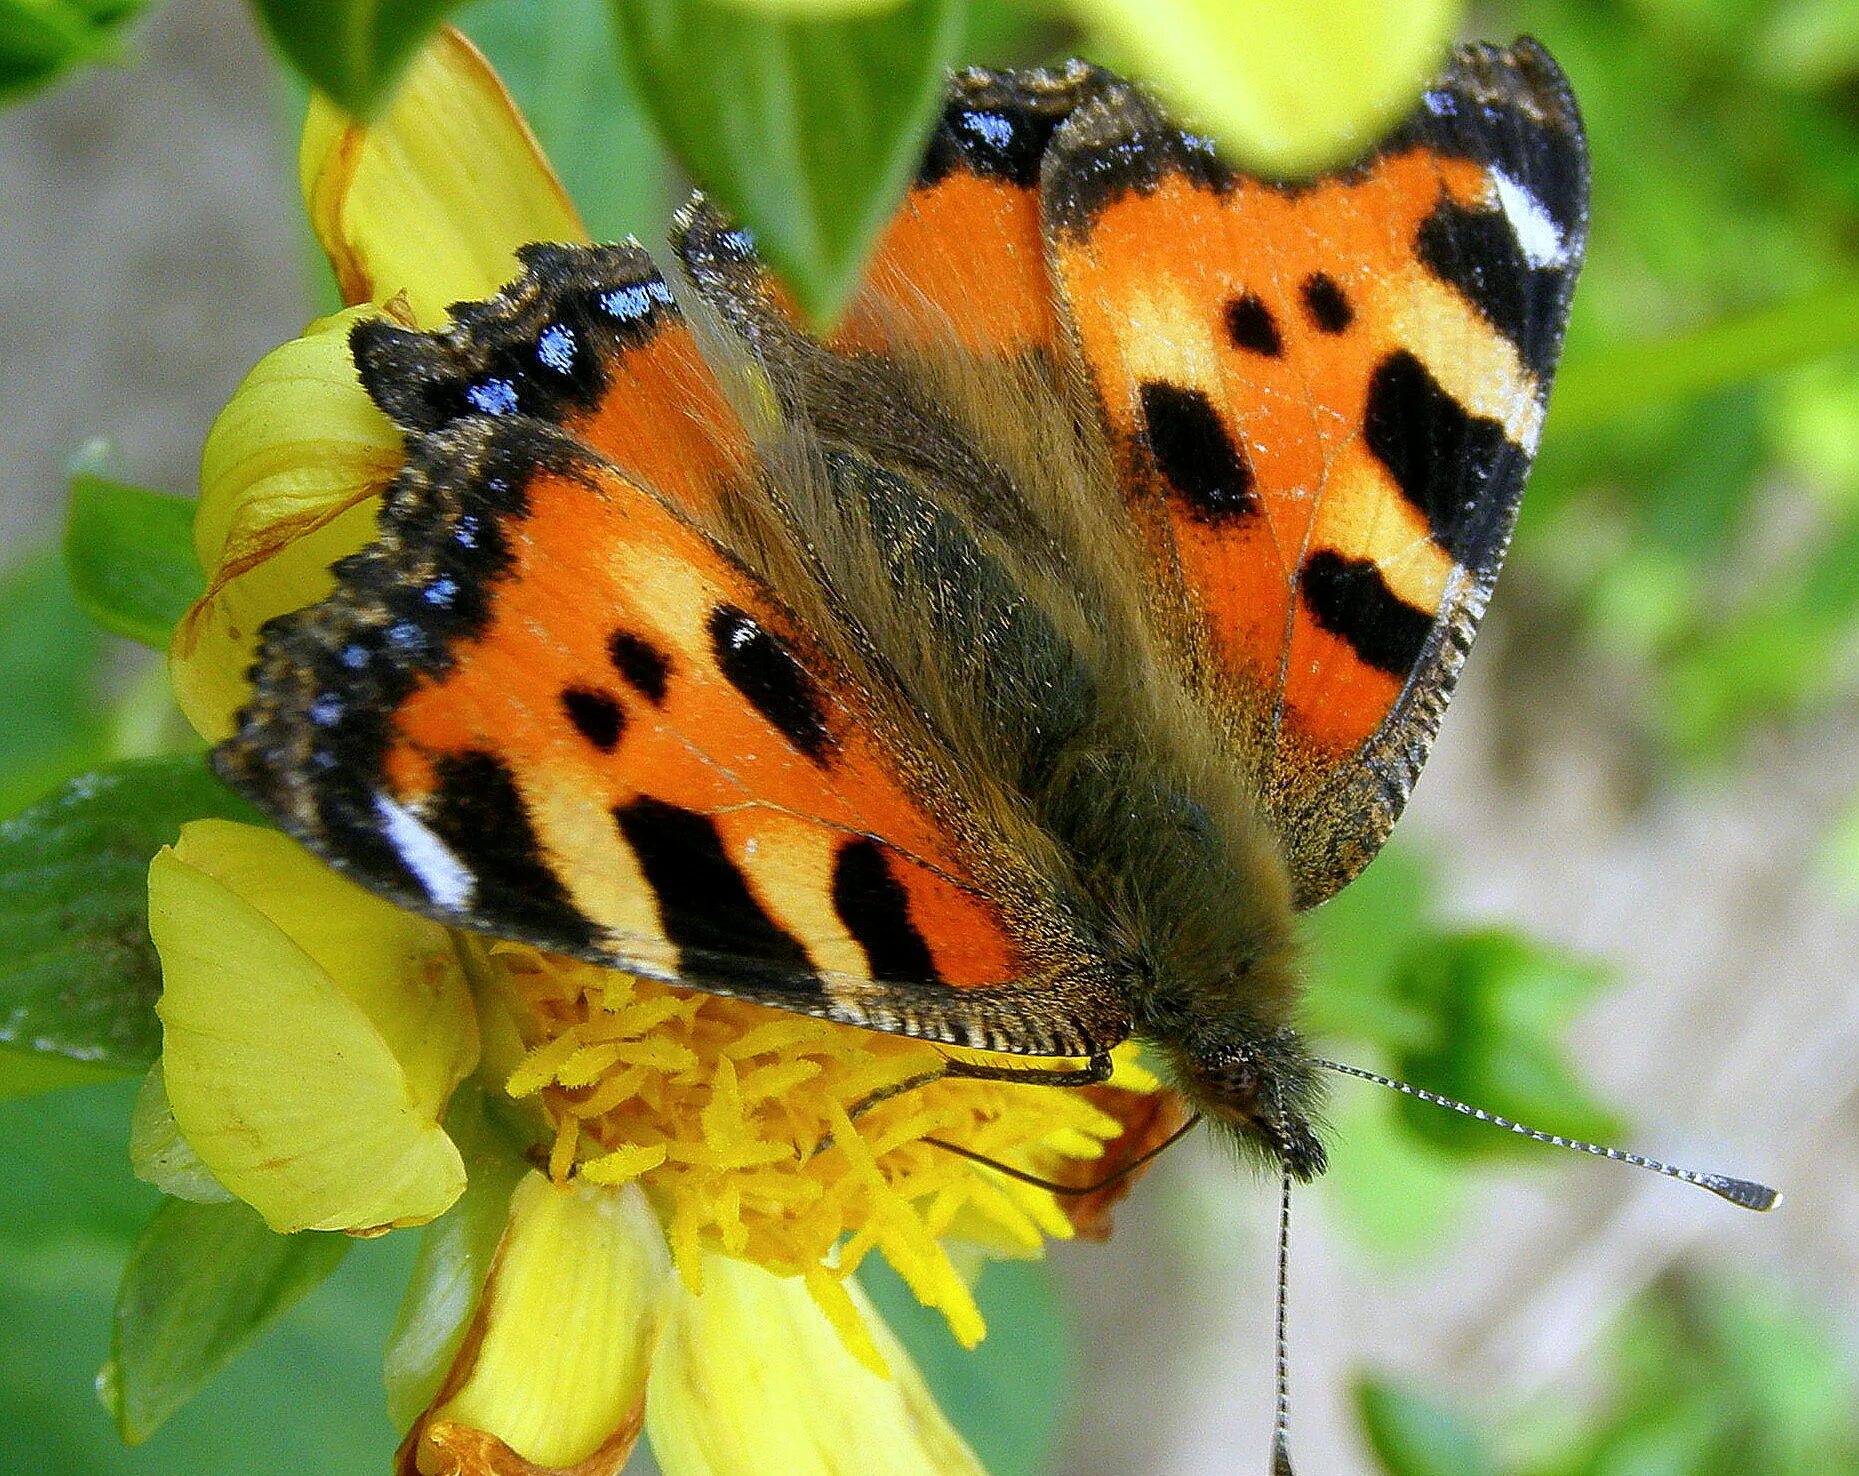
(646, 1205)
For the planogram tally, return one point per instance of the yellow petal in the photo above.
(553, 1377)
(311, 1033)
(432, 199)
(1288, 88)
(289, 481)
(751, 1376)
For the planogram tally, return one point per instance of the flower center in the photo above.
(723, 1112)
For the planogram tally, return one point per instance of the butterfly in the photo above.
(1008, 668)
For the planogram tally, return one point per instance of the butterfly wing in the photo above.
(1323, 399)
(962, 261)
(549, 705)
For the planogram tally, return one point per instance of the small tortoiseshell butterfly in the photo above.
(1007, 670)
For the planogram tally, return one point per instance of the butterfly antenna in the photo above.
(1744, 1192)
(1071, 1190)
(1281, 1421)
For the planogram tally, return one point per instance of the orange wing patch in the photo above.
(963, 260)
(1325, 398)
(1241, 341)
(546, 705)
(731, 731)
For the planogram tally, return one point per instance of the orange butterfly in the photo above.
(1007, 670)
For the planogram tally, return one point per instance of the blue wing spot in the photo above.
(441, 592)
(993, 129)
(326, 711)
(492, 397)
(354, 656)
(630, 304)
(556, 348)
(465, 531)
(404, 635)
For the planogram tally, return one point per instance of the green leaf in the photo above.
(805, 131)
(1287, 88)
(78, 975)
(1413, 1436)
(1356, 939)
(39, 39)
(203, 1281)
(50, 659)
(1007, 1397)
(130, 555)
(307, 1398)
(558, 59)
(1498, 1003)
(353, 50)
(26, 1073)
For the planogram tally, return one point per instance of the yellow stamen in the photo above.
(718, 1108)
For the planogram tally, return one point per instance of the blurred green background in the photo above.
(1624, 903)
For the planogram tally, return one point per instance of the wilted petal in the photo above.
(432, 200)
(311, 1033)
(552, 1375)
(289, 482)
(752, 1376)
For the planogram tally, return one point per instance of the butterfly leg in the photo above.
(1097, 1070)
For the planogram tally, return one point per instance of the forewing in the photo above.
(549, 705)
(1324, 399)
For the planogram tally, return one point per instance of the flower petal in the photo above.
(432, 200)
(288, 482)
(553, 1375)
(311, 1033)
(1289, 88)
(751, 1376)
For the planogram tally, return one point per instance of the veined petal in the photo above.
(552, 1377)
(311, 1033)
(752, 1376)
(432, 200)
(289, 482)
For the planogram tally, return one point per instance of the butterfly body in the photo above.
(1008, 669)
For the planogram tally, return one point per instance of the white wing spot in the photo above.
(445, 878)
(1536, 233)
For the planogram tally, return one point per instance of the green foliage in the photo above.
(1711, 1378)
(1476, 1015)
(805, 131)
(50, 665)
(203, 1281)
(558, 59)
(69, 1217)
(129, 553)
(40, 40)
(353, 50)
(1412, 1435)
(1726, 194)
(78, 975)
(1006, 1397)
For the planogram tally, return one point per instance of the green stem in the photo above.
(1598, 388)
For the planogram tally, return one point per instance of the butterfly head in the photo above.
(1262, 1091)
